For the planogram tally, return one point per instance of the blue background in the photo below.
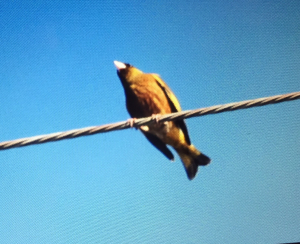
(57, 74)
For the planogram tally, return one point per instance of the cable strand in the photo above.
(149, 120)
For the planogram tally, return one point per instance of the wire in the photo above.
(149, 120)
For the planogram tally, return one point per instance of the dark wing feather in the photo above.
(155, 141)
(174, 104)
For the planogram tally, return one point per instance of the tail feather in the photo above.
(191, 159)
(202, 160)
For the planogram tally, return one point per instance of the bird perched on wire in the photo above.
(148, 95)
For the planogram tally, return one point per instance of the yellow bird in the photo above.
(148, 95)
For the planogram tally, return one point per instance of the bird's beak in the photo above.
(119, 65)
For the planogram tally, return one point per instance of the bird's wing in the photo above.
(174, 104)
(155, 141)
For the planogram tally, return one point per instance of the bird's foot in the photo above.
(131, 122)
(156, 117)
(164, 126)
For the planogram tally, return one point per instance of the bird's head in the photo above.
(126, 72)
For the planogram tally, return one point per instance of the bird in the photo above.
(148, 95)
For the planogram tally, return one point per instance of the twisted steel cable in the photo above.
(146, 121)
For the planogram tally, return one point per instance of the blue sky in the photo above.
(57, 74)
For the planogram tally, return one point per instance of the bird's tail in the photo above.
(191, 159)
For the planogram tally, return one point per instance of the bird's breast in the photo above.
(146, 100)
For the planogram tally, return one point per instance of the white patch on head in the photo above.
(119, 65)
